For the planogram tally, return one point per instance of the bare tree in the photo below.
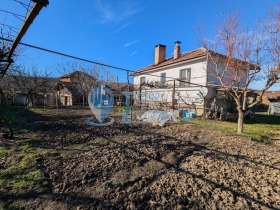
(31, 83)
(243, 52)
(8, 86)
(4, 50)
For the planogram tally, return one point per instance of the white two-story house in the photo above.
(181, 81)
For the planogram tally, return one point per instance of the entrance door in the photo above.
(65, 100)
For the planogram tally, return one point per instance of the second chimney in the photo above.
(159, 53)
(177, 50)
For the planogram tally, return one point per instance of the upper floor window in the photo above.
(163, 78)
(185, 76)
(142, 80)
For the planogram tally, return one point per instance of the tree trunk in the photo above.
(240, 121)
(244, 103)
(33, 100)
(29, 101)
(2, 95)
(56, 100)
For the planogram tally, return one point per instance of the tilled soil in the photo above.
(180, 166)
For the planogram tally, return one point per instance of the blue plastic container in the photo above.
(188, 114)
(193, 114)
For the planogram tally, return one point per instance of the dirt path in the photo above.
(181, 166)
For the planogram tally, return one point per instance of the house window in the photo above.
(185, 75)
(142, 80)
(163, 78)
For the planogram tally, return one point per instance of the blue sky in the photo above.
(122, 33)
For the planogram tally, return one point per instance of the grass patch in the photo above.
(3, 151)
(9, 207)
(51, 152)
(21, 170)
(262, 127)
(104, 141)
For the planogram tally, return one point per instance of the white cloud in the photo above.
(121, 28)
(133, 53)
(131, 43)
(119, 12)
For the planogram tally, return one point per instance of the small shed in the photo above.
(274, 109)
(21, 100)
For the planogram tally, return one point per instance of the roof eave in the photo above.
(170, 64)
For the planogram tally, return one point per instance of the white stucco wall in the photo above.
(198, 72)
(241, 77)
(184, 95)
(202, 73)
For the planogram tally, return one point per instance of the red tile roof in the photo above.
(185, 56)
(76, 74)
(272, 94)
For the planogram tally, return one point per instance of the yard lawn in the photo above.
(262, 127)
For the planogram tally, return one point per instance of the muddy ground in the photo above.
(180, 166)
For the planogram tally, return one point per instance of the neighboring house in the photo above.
(39, 99)
(75, 87)
(183, 81)
(267, 98)
(270, 96)
(69, 94)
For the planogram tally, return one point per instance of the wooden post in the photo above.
(173, 95)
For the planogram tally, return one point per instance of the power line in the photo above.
(67, 55)
(26, 6)
(10, 29)
(9, 26)
(27, 9)
(7, 34)
(12, 13)
(23, 4)
(94, 62)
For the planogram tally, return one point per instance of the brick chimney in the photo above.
(177, 49)
(159, 53)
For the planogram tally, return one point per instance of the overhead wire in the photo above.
(67, 55)
(28, 8)
(14, 14)
(23, 4)
(11, 30)
(8, 34)
(97, 63)
(9, 26)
